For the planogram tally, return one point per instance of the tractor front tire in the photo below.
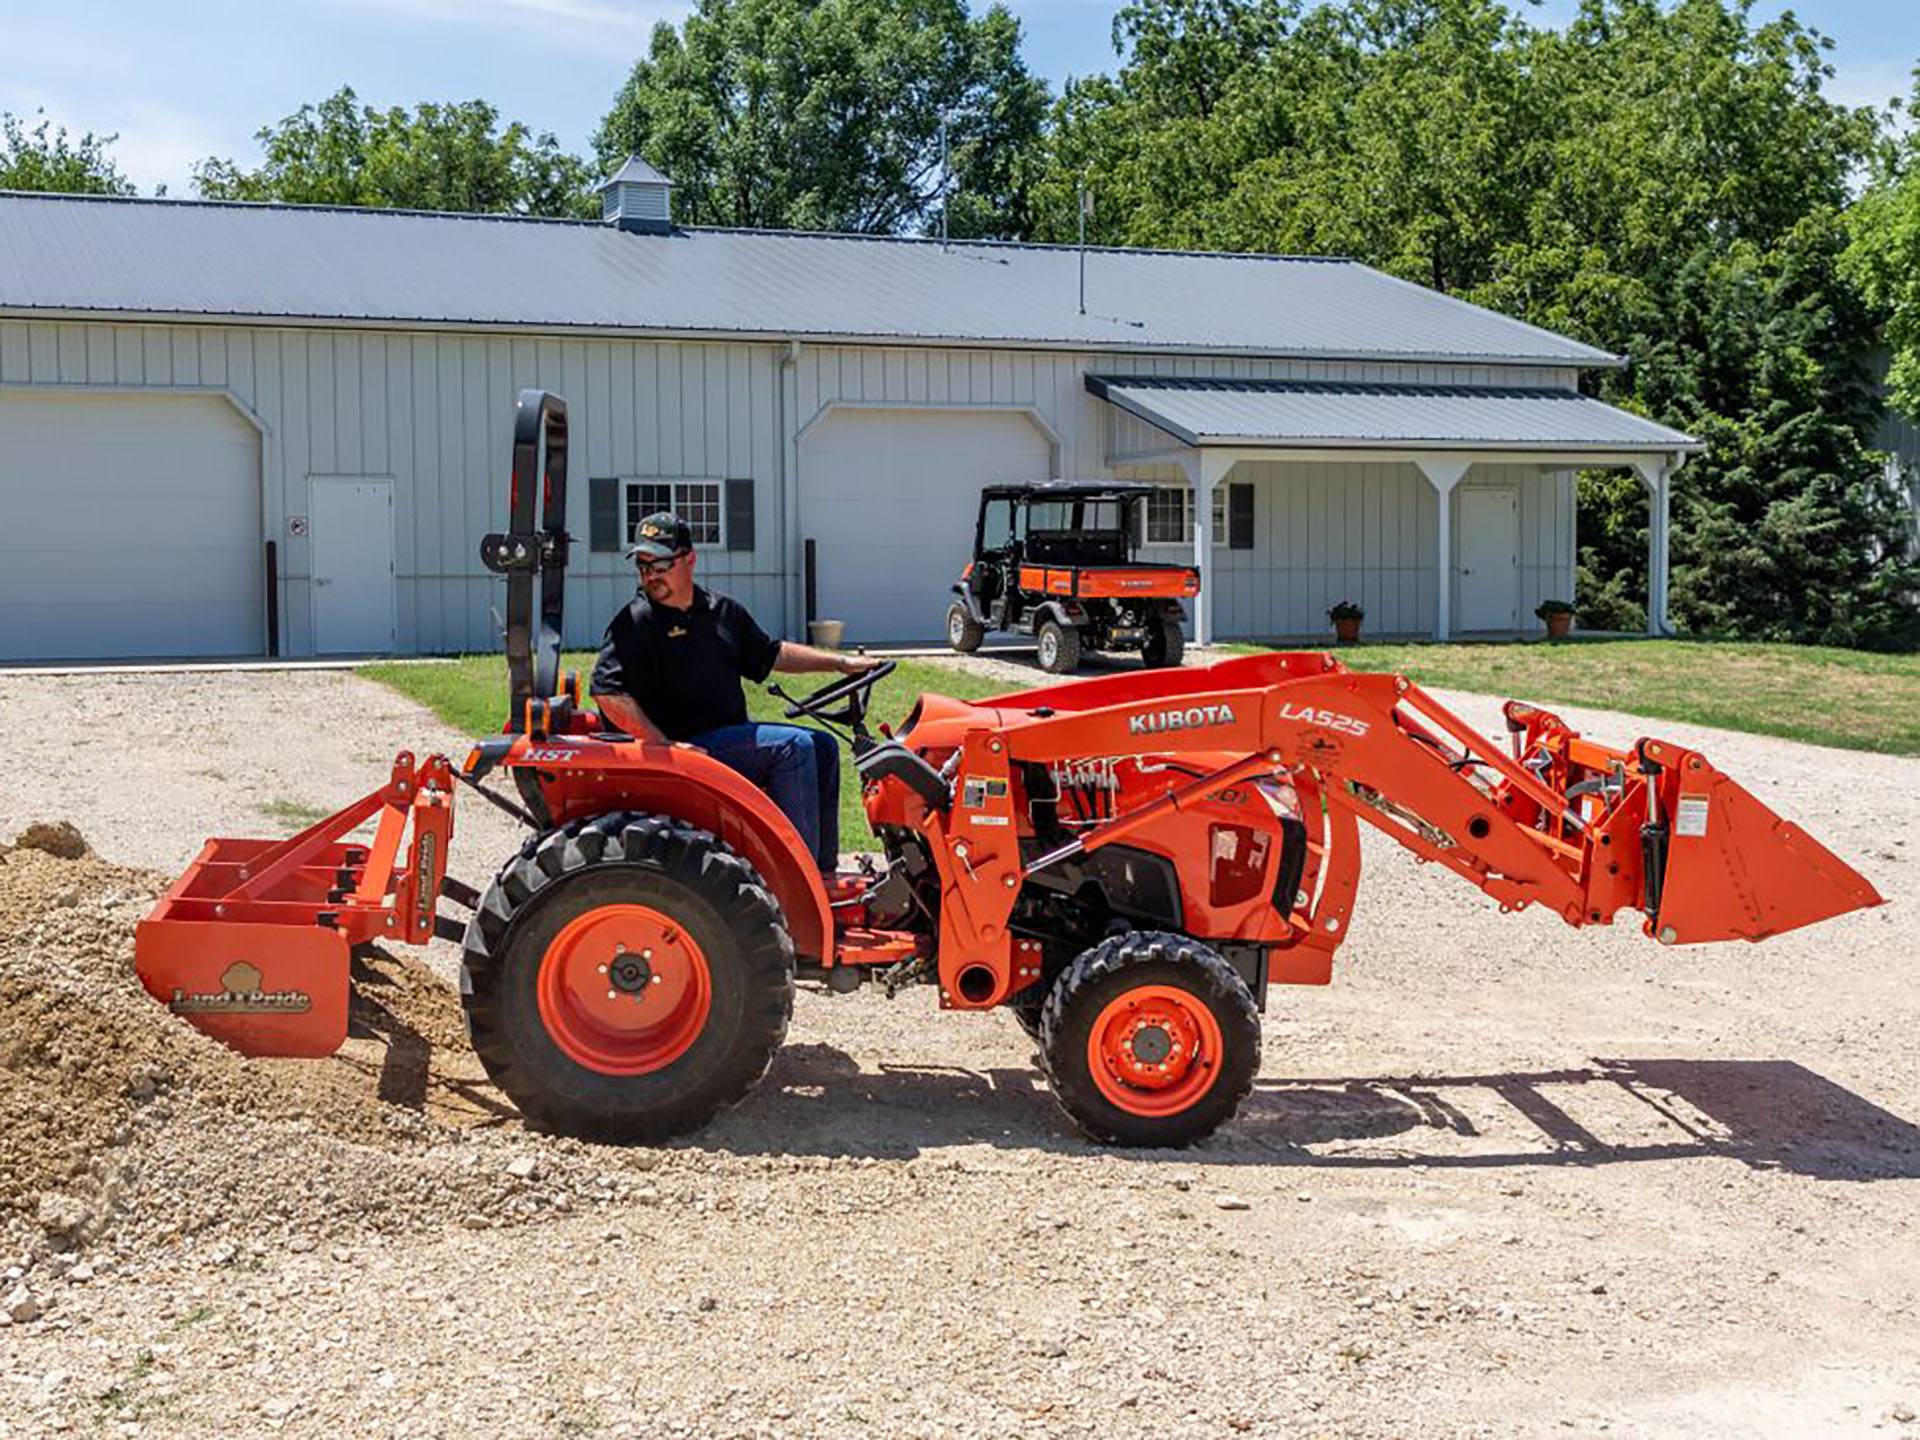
(1059, 648)
(1165, 645)
(964, 633)
(1150, 1039)
(626, 978)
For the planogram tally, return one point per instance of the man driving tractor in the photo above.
(670, 669)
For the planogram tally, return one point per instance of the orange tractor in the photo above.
(1126, 863)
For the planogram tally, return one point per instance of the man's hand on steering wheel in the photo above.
(857, 664)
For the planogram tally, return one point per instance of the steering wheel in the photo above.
(854, 689)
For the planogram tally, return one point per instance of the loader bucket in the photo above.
(1737, 871)
(254, 943)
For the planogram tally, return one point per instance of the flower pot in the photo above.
(827, 634)
(1347, 632)
(1559, 624)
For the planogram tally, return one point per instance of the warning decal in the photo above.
(1690, 815)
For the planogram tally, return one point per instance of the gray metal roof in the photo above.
(88, 255)
(635, 172)
(1307, 413)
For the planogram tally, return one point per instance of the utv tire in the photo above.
(660, 914)
(964, 633)
(1059, 648)
(1150, 1039)
(1165, 646)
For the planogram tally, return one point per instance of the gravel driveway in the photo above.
(1499, 1178)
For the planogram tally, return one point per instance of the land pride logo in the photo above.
(240, 994)
(1194, 717)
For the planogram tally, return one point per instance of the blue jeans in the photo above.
(800, 771)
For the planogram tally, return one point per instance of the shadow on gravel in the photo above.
(1767, 1114)
(407, 1073)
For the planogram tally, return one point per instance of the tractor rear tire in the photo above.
(1165, 646)
(1150, 1039)
(964, 633)
(659, 913)
(1059, 648)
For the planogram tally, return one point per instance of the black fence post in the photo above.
(813, 597)
(273, 600)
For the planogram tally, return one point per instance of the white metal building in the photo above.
(235, 429)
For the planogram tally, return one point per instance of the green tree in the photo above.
(826, 114)
(1884, 256)
(44, 158)
(455, 157)
(1664, 181)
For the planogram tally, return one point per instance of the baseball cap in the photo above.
(659, 535)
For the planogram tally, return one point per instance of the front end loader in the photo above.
(1126, 864)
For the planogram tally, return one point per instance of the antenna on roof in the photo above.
(1086, 209)
(945, 185)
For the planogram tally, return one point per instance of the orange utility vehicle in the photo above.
(1128, 864)
(1055, 560)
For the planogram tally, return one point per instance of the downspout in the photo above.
(790, 539)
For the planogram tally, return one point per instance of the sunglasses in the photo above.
(662, 565)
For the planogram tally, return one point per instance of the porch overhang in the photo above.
(1208, 426)
(1310, 415)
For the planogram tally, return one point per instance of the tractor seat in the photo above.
(891, 758)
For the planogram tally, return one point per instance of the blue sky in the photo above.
(191, 78)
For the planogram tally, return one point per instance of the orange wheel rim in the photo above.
(1155, 1050)
(624, 990)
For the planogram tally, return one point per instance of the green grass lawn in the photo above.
(470, 694)
(1848, 698)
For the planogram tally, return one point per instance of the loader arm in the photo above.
(1556, 820)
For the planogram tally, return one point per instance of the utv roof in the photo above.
(1070, 490)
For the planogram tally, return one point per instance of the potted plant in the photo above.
(1558, 615)
(1346, 617)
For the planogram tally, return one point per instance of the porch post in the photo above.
(1656, 473)
(1443, 472)
(1205, 469)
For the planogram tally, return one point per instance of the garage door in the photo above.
(131, 527)
(889, 499)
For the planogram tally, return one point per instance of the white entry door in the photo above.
(889, 498)
(1489, 559)
(352, 524)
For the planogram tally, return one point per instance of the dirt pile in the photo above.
(59, 838)
(123, 1127)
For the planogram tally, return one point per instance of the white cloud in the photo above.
(1870, 82)
(159, 145)
(154, 144)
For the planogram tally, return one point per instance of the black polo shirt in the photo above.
(683, 667)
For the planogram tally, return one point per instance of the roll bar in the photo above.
(526, 550)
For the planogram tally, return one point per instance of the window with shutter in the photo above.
(1169, 515)
(740, 514)
(603, 515)
(698, 502)
(1239, 516)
